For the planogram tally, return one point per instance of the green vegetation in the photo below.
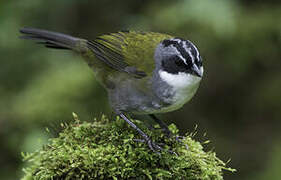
(106, 150)
(238, 102)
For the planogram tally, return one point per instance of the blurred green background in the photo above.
(238, 103)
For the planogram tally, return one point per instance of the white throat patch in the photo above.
(179, 81)
(184, 86)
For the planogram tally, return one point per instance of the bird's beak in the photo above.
(198, 72)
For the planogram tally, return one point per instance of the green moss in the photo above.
(106, 150)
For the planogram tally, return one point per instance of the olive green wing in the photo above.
(130, 52)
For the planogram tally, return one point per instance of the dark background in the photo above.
(238, 104)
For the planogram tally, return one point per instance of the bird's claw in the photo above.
(155, 147)
(179, 139)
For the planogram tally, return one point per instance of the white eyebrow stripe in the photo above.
(176, 40)
(185, 47)
(179, 54)
(188, 50)
(197, 52)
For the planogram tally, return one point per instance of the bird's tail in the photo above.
(54, 39)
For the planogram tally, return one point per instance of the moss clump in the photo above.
(106, 150)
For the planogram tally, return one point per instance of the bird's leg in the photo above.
(162, 124)
(153, 146)
(166, 130)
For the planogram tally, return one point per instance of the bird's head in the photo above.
(178, 63)
(179, 56)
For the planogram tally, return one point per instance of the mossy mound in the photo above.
(106, 150)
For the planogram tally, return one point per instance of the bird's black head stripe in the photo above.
(179, 47)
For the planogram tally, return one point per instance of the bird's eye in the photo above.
(174, 65)
(179, 62)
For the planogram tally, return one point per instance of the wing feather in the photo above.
(130, 52)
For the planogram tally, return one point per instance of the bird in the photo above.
(144, 73)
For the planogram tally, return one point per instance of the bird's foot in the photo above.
(180, 140)
(155, 147)
(152, 145)
(165, 129)
(172, 136)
